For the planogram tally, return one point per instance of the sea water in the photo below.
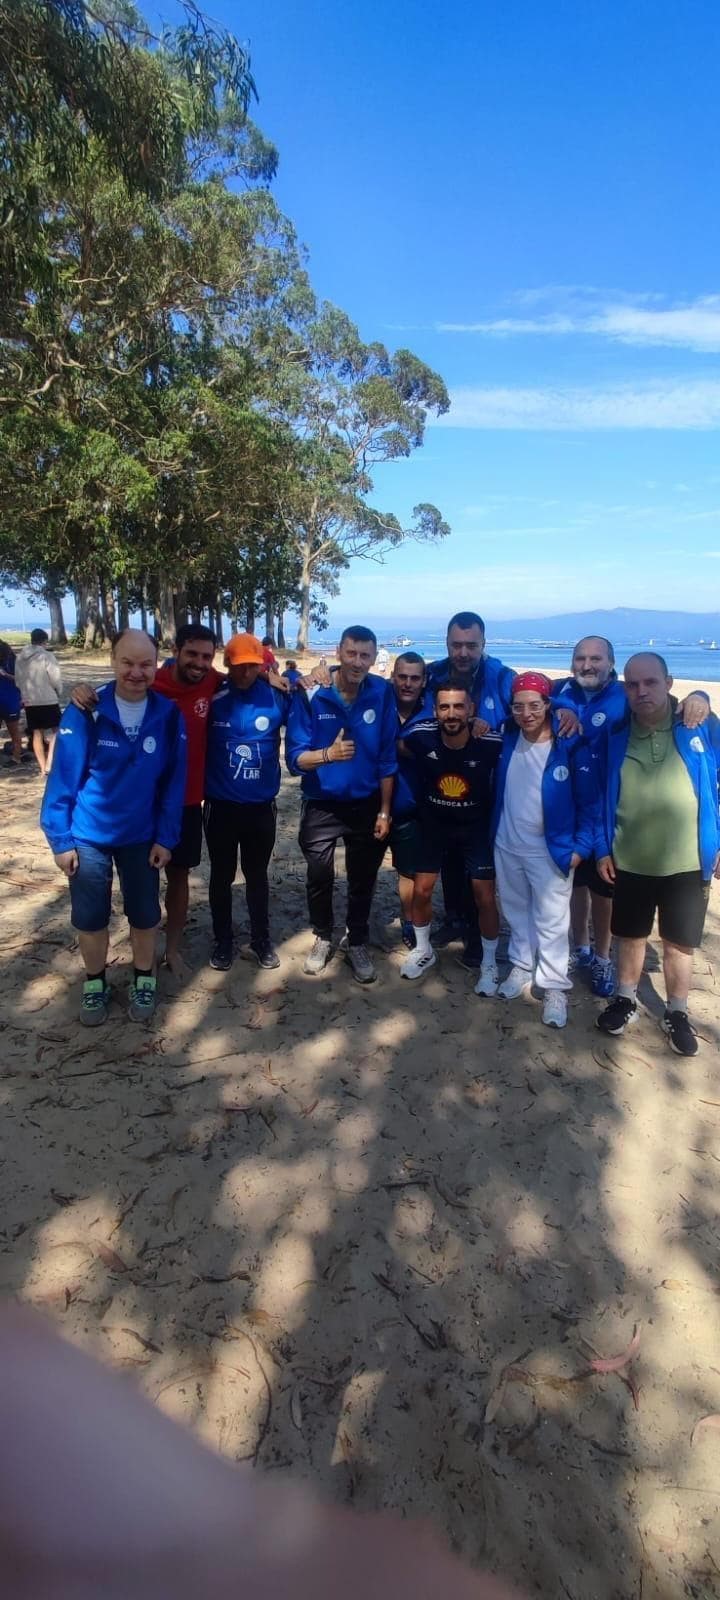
(684, 661)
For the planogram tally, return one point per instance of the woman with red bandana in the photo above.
(546, 806)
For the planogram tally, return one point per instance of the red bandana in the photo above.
(533, 680)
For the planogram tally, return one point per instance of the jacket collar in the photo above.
(107, 705)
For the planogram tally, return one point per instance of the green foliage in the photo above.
(177, 415)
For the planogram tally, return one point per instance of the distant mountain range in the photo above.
(624, 625)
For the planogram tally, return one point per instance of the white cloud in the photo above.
(670, 404)
(623, 320)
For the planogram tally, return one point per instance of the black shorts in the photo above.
(680, 900)
(188, 849)
(471, 840)
(405, 845)
(40, 719)
(588, 877)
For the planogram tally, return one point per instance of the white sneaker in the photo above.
(555, 1008)
(487, 983)
(513, 985)
(418, 964)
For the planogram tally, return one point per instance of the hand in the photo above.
(695, 710)
(479, 728)
(341, 749)
(277, 681)
(321, 675)
(159, 856)
(606, 868)
(567, 723)
(575, 859)
(382, 826)
(84, 697)
(67, 861)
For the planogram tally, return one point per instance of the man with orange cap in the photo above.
(242, 778)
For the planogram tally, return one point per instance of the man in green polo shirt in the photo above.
(661, 836)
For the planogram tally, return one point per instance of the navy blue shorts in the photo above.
(91, 886)
(405, 845)
(470, 840)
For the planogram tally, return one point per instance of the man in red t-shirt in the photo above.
(191, 680)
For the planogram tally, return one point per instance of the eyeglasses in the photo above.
(528, 705)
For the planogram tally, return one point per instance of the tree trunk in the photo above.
(303, 633)
(107, 605)
(270, 618)
(180, 608)
(144, 607)
(93, 630)
(281, 631)
(250, 617)
(218, 625)
(81, 593)
(195, 614)
(123, 605)
(165, 612)
(57, 620)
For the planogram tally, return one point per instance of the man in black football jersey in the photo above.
(455, 791)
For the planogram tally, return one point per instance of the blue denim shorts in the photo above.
(91, 886)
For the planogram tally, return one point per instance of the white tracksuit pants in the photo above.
(535, 901)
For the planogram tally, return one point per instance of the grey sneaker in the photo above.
(94, 1003)
(317, 960)
(358, 957)
(143, 999)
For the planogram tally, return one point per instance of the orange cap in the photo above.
(244, 650)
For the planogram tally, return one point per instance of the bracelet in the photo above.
(326, 754)
(385, 815)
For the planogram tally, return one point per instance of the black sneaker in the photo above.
(616, 1017)
(265, 954)
(472, 956)
(221, 955)
(449, 932)
(681, 1033)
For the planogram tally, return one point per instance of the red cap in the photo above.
(533, 680)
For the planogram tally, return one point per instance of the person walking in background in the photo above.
(242, 778)
(39, 680)
(341, 739)
(454, 786)
(544, 820)
(10, 706)
(658, 841)
(595, 691)
(115, 795)
(414, 704)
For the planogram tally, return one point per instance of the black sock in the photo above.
(142, 972)
(92, 976)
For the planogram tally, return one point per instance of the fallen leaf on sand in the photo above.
(711, 1421)
(112, 1259)
(259, 1317)
(616, 1363)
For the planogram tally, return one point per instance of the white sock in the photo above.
(674, 1003)
(489, 952)
(628, 991)
(422, 939)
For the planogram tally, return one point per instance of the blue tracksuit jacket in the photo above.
(406, 782)
(700, 750)
(109, 790)
(606, 705)
(243, 749)
(570, 796)
(491, 687)
(315, 720)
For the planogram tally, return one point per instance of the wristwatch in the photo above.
(385, 815)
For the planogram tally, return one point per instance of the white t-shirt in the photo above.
(131, 713)
(522, 829)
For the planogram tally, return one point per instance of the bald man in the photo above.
(115, 796)
(659, 841)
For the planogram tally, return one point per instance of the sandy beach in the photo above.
(377, 1237)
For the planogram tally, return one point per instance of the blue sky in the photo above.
(526, 196)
